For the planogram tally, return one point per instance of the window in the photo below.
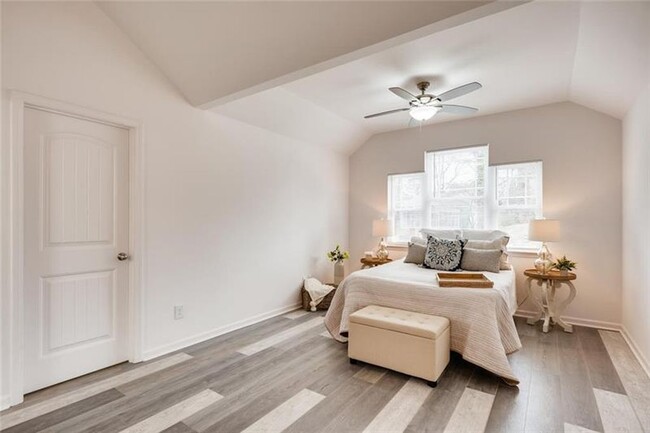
(459, 190)
(517, 200)
(456, 187)
(405, 195)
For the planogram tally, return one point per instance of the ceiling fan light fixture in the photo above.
(423, 112)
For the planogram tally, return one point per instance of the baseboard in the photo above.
(185, 342)
(5, 402)
(609, 326)
(635, 350)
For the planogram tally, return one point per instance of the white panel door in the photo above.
(76, 181)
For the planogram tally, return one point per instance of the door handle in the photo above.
(122, 256)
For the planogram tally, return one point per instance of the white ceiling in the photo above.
(613, 55)
(593, 53)
(214, 50)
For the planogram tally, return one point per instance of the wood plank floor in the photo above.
(287, 375)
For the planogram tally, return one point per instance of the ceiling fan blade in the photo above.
(403, 93)
(370, 116)
(457, 109)
(459, 91)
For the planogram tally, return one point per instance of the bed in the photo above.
(482, 328)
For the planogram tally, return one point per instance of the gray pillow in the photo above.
(498, 243)
(481, 260)
(443, 254)
(415, 253)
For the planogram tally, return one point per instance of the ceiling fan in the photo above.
(424, 106)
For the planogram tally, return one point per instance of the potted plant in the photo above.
(564, 265)
(337, 256)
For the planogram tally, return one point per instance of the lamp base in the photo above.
(544, 261)
(382, 251)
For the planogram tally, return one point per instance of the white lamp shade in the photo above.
(544, 230)
(382, 228)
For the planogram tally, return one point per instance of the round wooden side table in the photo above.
(551, 310)
(371, 262)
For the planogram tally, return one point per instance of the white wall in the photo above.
(581, 151)
(636, 225)
(235, 215)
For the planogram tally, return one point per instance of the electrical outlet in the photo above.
(178, 312)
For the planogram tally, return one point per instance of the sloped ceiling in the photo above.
(216, 49)
(525, 54)
(612, 55)
(504, 52)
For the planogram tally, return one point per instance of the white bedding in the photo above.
(482, 328)
(504, 281)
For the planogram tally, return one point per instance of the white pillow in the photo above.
(418, 240)
(484, 235)
(441, 234)
(496, 244)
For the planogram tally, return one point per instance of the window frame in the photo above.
(430, 197)
(493, 205)
(490, 199)
(390, 214)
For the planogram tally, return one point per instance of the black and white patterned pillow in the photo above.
(444, 254)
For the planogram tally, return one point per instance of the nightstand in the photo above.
(371, 262)
(551, 310)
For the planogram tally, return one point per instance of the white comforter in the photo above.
(482, 328)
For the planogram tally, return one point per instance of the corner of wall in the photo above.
(635, 350)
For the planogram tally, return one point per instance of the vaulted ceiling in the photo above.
(313, 72)
(214, 51)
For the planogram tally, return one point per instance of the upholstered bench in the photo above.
(412, 343)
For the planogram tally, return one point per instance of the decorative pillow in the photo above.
(415, 253)
(442, 234)
(497, 243)
(443, 254)
(481, 260)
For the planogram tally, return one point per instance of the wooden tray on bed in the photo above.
(464, 279)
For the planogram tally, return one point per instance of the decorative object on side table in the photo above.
(551, 309)
(544, 230)
(564, 265)
(371, 262)
(337, 256)
(381, 229)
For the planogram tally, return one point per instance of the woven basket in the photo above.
(323, 305)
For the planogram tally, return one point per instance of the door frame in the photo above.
(18, 101)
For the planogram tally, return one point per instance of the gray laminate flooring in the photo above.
(287, 375)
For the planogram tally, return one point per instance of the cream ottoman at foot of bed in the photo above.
(412, 343)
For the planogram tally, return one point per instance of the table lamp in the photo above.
(382, 228)
(544, 230)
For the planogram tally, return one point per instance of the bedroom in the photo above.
(249, 159)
